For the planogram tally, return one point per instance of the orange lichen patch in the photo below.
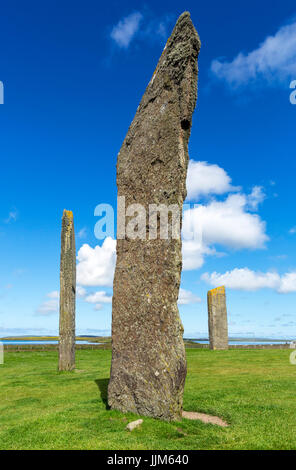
(69, 214)
(216, 295)
(217, 290)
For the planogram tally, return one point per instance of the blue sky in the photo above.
(73, 76)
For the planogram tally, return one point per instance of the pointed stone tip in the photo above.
(184, 22)
(183, 15)
(184, 18)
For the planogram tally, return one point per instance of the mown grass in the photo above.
(254, 390)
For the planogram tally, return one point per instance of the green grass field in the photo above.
(254, 390)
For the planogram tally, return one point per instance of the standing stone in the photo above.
(218, 328)
(148, 357)
(67, 294)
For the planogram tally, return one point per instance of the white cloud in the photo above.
(187, 297)
(230, 223)
(243, 279)
(53, 295)
(82, 233)
(273, 62)
(226, 223)
(80, 291)
(292, 230)
(248, 280)
(288, 283)
(193, 253)
(256, 197)
(126, 29)
(204, 179)
(98, 297)
(96, 265)
(49, 307)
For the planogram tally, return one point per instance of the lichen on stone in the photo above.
(147, 336)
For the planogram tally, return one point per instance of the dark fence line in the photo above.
(260, 346)
(242, 346)
(55, 347)
(51, 347)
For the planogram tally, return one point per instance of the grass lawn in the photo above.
(254, 390)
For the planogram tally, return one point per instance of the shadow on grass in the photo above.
(103, 387)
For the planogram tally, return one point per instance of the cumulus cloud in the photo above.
(126, 29)
(51, 306)
(248, 280)
(193, 254)
(204, 179)
(96, 265)
(98, 298)
(273, 62)
(227, 223)
(256, 197)
(288, 283)
(230, 223)
(187, 297)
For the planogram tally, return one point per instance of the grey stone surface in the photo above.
(67, 294)
(217, 311)
(148, 358)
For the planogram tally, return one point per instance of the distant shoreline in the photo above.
(88, 339)
(91, 339)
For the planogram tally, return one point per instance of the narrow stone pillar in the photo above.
(67, 294)
(218, 328)
(148, 357)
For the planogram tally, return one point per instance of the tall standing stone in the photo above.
(67, 294)
(218, 328)
(148, 358)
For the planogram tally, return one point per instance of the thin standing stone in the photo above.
(218, 328)
(148, 357)
(67, 294)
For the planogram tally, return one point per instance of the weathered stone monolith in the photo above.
(148, 358)
(67, 294)
(218, 328)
